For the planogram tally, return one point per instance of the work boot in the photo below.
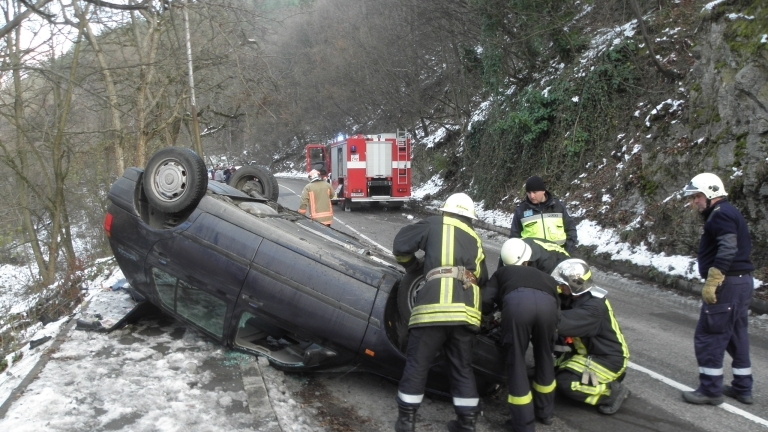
(463, 423)
(699, 398)
(619, 392)
(731, 393)
(406, 418)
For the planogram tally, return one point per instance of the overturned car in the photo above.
(263, 279)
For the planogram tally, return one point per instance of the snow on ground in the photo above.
(153, 376)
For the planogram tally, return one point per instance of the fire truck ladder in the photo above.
(402, 157)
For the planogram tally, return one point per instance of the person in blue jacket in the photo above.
(724, 263)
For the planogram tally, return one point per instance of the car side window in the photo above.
(194, 304)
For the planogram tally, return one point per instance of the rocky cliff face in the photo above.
(717, 121)
(714, 118)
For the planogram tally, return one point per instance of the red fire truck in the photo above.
(366, 168)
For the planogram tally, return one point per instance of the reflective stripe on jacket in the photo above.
(598, 341)
(446, 241)
(317, 197)
(548, 220)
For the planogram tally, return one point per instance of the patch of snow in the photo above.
(606, 198)
(737, 172)
(430, 187)
(709, 6)
(575, 99)
(734, 17)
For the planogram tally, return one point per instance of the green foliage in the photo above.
(743, 34)
(740, 149)
(3, 365)
(548, 132)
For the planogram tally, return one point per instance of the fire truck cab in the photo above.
(366, 168)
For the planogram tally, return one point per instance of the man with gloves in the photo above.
(724, 262)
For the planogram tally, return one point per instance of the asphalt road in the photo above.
(658, 325)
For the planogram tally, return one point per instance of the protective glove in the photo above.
(415, 266)
(714, 278)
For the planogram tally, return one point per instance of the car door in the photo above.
(199, 272)
(307, 291)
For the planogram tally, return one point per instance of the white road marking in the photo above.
(683, 387)
(668, 381)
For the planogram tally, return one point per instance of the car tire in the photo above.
(256, 179)
(175, 180)
(409, 288)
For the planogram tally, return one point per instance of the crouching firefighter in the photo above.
(595, 361)
(446, 313)
(529, 307)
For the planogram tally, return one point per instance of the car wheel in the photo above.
(410, 285)
(175, 180)
(256, 179)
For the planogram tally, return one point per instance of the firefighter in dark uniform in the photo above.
(541, 254)
(724, 262)
(595, 360)
(543, 216)
(529, 307)
(447, 310)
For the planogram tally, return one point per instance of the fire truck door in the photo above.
(378, 159)
(338, 161)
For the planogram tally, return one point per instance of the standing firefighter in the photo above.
(543, 216)
(724, 262)
(317, 196)
(594, 367)
(447, 310)
(529, 307)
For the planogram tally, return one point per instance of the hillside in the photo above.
(617, 137)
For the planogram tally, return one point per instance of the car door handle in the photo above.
(253, 302)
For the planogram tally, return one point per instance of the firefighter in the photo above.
(543, 216)
(595, 360)
(446, 313)
(529, 307)
(317, 196)
(724, 263)
(541, 254)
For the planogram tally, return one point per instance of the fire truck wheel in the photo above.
(256, 179)
(175, 180)
(347, 204)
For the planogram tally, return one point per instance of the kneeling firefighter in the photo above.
(594, 363)
(447, 309)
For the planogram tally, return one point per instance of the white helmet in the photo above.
(515, 252)
(460, 204)
(708, 184)
(314, 175)
(576, 274)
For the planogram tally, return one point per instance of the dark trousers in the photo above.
(423, 345)
(722, 327)
(529, 315)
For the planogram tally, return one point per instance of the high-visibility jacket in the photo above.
(548, 220)
(446, 240)
(598, 342)
(316, 197)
